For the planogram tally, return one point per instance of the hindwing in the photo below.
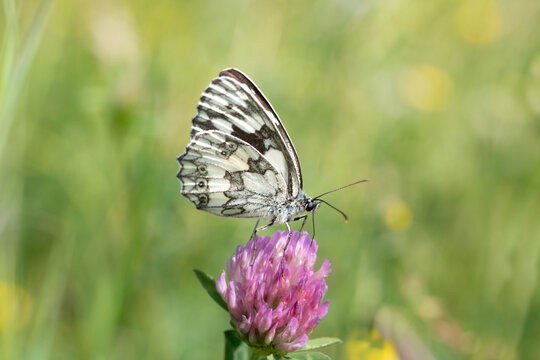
(226, 176)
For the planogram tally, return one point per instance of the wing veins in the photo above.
(238, 121)
(206, 148)
(264, 104)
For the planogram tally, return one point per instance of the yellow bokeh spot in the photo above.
(427, 88)
(373, 348)
(478, 21)
(15, 306)
(398, 216)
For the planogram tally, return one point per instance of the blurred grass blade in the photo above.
(209, 284)
(15, 67)
(15, 59)
(9, 43)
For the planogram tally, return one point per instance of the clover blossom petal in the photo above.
(275, 304)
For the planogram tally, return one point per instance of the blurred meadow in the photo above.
(436, 102)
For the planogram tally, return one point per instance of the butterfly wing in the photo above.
(233, 105)
(226, 176)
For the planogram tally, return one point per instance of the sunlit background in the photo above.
(436, 102)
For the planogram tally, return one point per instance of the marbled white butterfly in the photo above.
(240, 161)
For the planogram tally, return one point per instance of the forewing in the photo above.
(234, 105)
(226, 176)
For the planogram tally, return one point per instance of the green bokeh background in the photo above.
(436, 102)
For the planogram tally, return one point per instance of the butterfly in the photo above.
(240, 161)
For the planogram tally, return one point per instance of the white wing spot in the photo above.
(276, 158)
(257, 183)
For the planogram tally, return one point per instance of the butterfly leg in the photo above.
(264, 227)
(313, 223)
(254, 229)
(286, 244)
(304, 219)
(253, 236)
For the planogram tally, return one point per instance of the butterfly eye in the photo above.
(310, 205)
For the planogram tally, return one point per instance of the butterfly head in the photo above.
(312, 205)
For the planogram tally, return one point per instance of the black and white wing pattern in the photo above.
(240, 161)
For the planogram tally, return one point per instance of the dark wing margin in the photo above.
(274, 118)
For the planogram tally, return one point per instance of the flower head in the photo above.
(275, 304)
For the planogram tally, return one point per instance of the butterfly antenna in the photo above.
(335, 208)
(340, 188)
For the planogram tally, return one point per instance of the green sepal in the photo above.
(307, 355)
(320, 343)
(209, 284)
